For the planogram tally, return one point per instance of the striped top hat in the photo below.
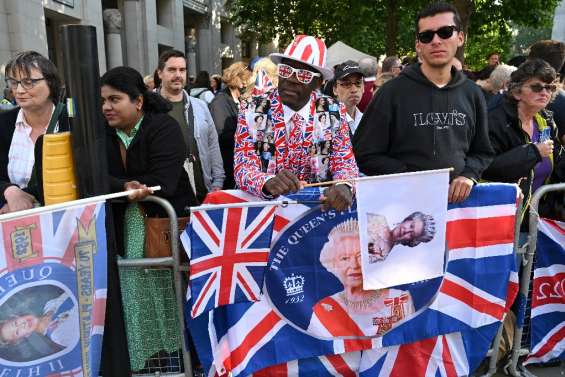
(308, 50)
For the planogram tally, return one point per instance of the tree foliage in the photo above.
(387, 26)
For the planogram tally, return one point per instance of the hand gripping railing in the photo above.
(174, 262)
(529, 250)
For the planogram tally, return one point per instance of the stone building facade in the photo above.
(558, 31)
(129, 32)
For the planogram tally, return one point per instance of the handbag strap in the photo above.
(123, 154)
(55, 118)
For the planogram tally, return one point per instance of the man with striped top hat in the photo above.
(291, 135)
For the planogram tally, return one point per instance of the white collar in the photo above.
(21, 119)
(358, 115)
(303, 112)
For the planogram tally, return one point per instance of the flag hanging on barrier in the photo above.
(548, 294)
(53, 292)
(229, 250)
(304, 316)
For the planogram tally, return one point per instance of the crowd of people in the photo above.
(287, 120)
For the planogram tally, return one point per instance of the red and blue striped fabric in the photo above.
(452, 333)
(229, 250)
(548, 294)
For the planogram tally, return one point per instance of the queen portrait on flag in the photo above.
(354, 311)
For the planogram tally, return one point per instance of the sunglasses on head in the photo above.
(303, 76)
(444, 32)
(537, 88)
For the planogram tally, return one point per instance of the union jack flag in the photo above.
(228, 250)
(548, 295)
(263, 83)
(440, 356)
(454, 331)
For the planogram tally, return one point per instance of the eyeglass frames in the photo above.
(26, 83)
(444, 32)
(537, 88)
(304, 76)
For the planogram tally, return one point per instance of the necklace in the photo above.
(360, 304)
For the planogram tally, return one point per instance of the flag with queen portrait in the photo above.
(311, 310)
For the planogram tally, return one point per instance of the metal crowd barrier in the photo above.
(494, 351)
(171, 263)
(520, 346)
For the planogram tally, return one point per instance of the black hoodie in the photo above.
(413, 125)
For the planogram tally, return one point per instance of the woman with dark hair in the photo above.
(145, 148)
(36, 86)
(522, 133)
(216, 83)
(201, 88)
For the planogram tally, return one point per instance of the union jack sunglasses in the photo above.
(304, 76)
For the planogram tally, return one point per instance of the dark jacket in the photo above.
(515, 155)
(224, 112)
(155, 157)
(557, 106)
(414, 125)
(7, 128)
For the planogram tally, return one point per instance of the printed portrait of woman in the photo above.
(413, 230)
(266, 155)
(322, 104)
(37, 322)
(262, 106)
(260, 122)
(354, 311)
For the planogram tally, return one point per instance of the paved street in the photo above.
(542, 372)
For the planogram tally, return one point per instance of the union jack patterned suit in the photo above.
(248, 169)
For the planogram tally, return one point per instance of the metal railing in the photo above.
(172, 262)
(528, 250)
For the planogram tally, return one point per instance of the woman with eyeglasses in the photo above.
(36, 86)
(522, 133)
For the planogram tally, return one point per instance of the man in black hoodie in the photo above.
(431, 116)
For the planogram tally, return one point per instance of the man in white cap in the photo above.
(291, 135)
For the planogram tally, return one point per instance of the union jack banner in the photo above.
(53, 291)
(448, 333)
(263, 83)
(548, 294)
(229, 250)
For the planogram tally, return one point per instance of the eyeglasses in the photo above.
(26, 83)
(349, 84)
(303, 76)
(444, 32)
(537, 88)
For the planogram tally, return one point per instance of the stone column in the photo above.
(112, 28)
(190, 50)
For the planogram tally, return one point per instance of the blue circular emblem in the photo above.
(314, 280)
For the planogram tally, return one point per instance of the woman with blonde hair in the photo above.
(224, 109)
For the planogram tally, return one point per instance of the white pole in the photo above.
(74, 203)
(207, 207)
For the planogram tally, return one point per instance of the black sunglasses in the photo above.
(444, 32)
(537, 88)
